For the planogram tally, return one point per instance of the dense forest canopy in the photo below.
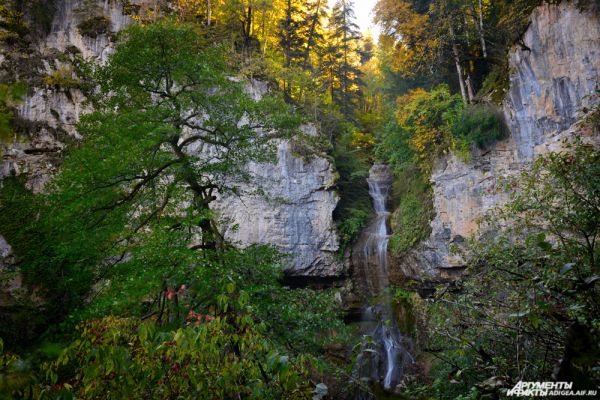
(134, 292)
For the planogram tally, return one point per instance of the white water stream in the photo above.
(383, 353)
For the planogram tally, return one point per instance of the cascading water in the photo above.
(384, 350)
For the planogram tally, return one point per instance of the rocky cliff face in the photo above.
(552, 78)
(49, 112)
(296, 212)
(293, 210)
(69, 14)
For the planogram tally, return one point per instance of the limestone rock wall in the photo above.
(64, 33)
(290, 205)
(296, 213)
(550, 82)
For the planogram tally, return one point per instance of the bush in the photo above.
(351, 226)
(95, 26)
(528, 307)
(411, 192)
(478, 125)
(10, 95)
(13, 27)
(215, 356)
(427, 118)
(414, 210)
(62, 78)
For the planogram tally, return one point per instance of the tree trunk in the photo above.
(470, 92)
(248, 23)
(288, 50)
(461, 79)
(311, 34)
(208, 13)
(469, 81)
(481, 32)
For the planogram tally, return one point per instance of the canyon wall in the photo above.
(553, 76)
(295, 213)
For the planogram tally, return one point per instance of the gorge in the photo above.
(262, 190)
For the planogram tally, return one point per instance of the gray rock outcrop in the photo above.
(295, 214)
(550, 83)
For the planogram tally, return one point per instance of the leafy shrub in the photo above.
(220, 356)
(162, 263)
(13, 26)
(95, 26)
(10, 95)
(393, 146)
(478, 125)
(362, 141)
(497, 82)
(411, 193)
(411, 219)
(350, 227)
(62, 78)
(528, 307)
(427, 118)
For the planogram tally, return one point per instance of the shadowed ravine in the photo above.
(384, 351)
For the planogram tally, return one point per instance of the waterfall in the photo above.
(383, 350)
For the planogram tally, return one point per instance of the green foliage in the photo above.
(164, 263)
(412, 197)
(10, 95)
(340, 63)
(13, 27)
(132, 186)
(94, 26)
(22, 219)
(15, 378)
(393, 147)
(62, 78)
(224, 356)
(414, 209)
(497, 82)
(478, 125)
(351, 226)
(354, 209)
(528, 307)
(58, 260)
(426, 119)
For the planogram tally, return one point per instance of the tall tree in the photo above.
(410, 34)
(292, 42)
(316, 12)
(170, 132)
(342, 58)
(430, 32)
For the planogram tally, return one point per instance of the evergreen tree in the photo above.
(341, 59)
(292, 41)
